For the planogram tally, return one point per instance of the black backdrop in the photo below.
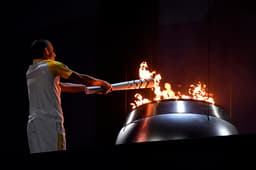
(209, 41)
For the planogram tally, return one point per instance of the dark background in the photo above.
(185, 41)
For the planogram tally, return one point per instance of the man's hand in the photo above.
(107, 88)
(86, 91)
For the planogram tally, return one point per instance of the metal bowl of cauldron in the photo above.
(175, 119)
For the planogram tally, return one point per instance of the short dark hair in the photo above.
(37, 47)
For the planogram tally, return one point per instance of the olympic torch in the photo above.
(126, 85)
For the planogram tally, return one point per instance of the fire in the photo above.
(144, 73)
(139, 100)
(195, 92)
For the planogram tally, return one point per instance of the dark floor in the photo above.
(206, 153)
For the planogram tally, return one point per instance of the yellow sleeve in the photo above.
(58, 68)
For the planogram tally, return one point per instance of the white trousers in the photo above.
(45, 135)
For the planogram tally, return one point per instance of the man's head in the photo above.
(42, 49)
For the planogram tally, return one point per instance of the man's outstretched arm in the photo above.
(73, 88)
(90, 81)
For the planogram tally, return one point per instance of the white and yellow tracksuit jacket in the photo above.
(45, 124)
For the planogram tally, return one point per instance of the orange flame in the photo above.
(195, 92)
(144, 73)
(139, 100)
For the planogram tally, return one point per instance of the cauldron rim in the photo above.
(161, 107)
(165, 100)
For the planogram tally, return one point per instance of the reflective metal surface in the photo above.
(175, 119)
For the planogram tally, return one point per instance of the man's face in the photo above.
(50, 54)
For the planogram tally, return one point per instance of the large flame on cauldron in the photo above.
(196, 91)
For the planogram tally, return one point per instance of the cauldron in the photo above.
(174, 119)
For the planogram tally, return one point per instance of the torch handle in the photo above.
(127, 85)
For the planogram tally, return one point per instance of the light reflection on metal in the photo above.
(180, 107)
(215, 112)
(223, 131)
(130, 117)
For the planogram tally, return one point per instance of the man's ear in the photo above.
(46, 51)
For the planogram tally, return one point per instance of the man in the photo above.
(45, 128)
